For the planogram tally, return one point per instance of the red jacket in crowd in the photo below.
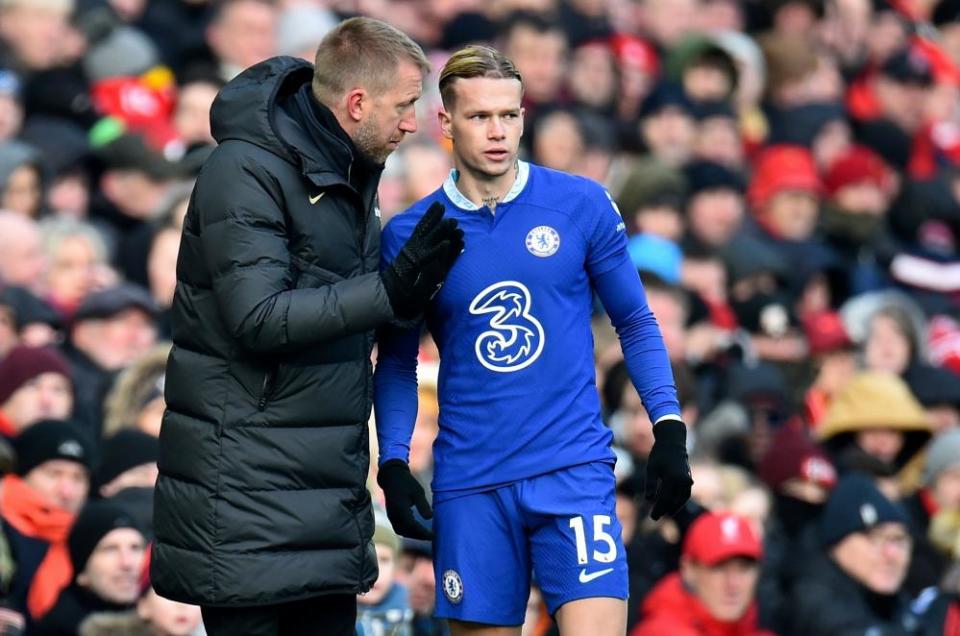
(671, 609)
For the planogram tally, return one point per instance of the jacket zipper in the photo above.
(267, 388)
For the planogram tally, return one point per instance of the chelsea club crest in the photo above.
(543, 241)
(452, 586)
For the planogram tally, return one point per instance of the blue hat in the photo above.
(856, 505)
(652, 253)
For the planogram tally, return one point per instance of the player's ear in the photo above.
(357, 103)
(523, 118)
(446, 121)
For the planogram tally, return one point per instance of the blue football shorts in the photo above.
(562, 525)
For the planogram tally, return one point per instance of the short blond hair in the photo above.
(365, 52)
(475, 60)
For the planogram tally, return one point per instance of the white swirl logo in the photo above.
(515, 339)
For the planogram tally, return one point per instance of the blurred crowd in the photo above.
(789, 174)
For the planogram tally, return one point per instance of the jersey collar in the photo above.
(459, 200)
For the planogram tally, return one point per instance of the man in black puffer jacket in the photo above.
(262, 515)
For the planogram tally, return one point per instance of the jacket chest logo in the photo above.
(313, 199)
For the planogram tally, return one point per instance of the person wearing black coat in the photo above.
(262, 516)
(854, 586)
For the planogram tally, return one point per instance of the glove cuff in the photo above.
(390, 469)
(670, 432)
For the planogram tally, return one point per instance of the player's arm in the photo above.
(395, 404)
(243, 236)
(618, 286)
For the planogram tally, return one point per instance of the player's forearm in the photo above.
(395, 394)
(644, 352)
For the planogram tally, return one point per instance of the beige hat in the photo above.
(874, 400)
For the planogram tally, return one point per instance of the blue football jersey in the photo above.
(517, 387)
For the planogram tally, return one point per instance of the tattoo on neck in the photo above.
(491, 202)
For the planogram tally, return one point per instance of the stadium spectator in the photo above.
(35, 384)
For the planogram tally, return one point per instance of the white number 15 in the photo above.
(599, 536)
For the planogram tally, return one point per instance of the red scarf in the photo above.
(32, 514)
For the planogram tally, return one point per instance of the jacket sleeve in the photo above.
(244, 239)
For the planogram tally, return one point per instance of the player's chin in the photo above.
(497, 167)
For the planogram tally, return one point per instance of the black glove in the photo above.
(416, 274)
(668, 469)
(403, 492)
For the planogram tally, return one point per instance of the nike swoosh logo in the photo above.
(586, 578)
(313, 200)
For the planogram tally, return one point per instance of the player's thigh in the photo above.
(481, 559)
(597, 616)
(575, 541)
(461, 628)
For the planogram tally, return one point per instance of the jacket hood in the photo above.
(874, 400)
(256, 107)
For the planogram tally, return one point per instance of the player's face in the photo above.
(485, 123)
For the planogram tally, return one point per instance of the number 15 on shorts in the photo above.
(604, 545)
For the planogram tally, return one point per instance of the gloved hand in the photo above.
(416, 274)
(668, 469)
(402, 492)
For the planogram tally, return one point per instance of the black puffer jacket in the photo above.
(264, 447)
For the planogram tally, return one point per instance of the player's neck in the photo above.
(483, 189)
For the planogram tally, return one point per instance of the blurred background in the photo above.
(789, 175)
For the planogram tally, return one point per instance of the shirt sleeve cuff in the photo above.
(668, 416)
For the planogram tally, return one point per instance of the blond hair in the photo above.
(364, 52)
(475, 60)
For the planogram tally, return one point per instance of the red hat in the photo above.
(779, 168)
(793, 455)
(23, 364)
(826, 333)
(858, 165)
(716, 537)
(633, 52)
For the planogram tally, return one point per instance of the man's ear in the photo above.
(357, 103)
(446, 123)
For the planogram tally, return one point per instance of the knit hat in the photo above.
(943, 454)
(793, 455)
(95, 521)
(110, 302)
(909, 66)
(858, 165)
(52, 439)
(826, 333)
(383, 533)
(666, 95)
(856, 505)
(125, 52)
(781, 168)
(633, 52)
(25, 363)
(934, 386)
(709, 175)
(716, 537)
(126, 449)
